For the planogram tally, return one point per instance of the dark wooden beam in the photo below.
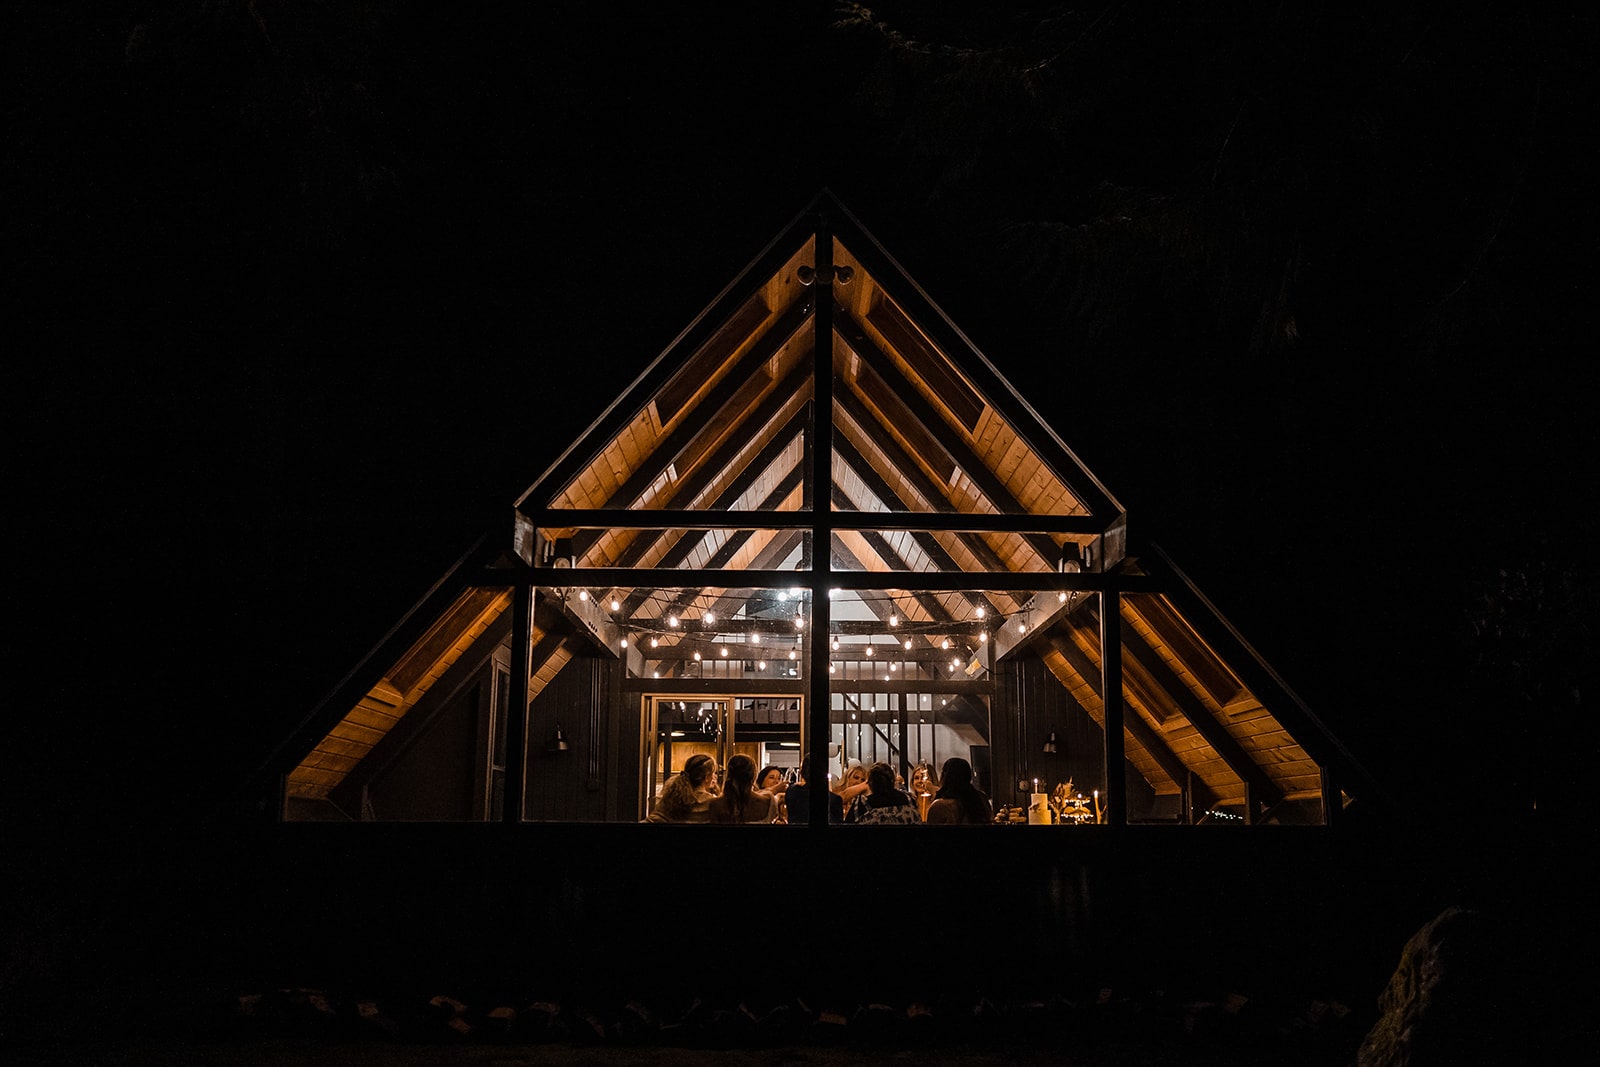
(1113, 710)
(820, 458)
(516, 770)
(698, 519)
(600, 578)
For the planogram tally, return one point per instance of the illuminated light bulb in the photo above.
(655, 674)
(941, 702)
(952, 668)
(892, 666)
(833, 669)
(624, 642)
(616, 605)
(955, 661)
(583, 594)
(1022, 627)
(697, 657)
(799, 622)
(945, 643)
(980, 611)
(836, 644)
(654, 643)
(1063, 597)
(793, 654)
(869, 650)
(782, 595)
(894, 620)
(724, 652)
(761, 666)
(709, 617)
(983, 635)
(672, 620)
(908, 644)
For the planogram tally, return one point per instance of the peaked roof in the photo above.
(943, 479)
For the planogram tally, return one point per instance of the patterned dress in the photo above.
(892, 809)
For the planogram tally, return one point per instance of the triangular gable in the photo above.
(938, 471)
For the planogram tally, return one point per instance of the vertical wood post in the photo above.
(517, 704)
(1111, 687)
(821, 448)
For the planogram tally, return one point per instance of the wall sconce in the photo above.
(1050, 743)
(558, 743)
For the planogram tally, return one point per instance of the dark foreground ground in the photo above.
(1103, 1027)
(550, 944)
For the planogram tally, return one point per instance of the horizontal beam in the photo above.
(700, 578)
(680, 519)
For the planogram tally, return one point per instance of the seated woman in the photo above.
(882, 804)
(851, 784)
(687, 795)
(740, 802)
(958, 800)
(772, 782)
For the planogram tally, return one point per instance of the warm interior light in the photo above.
(761, 666)
(980, 611)
(945, 643)
(616, 605)
(583, 594)
(672, 620)
(697, 657)
(709, 617)
(793, 655)
(894, 620)
(624, 642)
(724, 652)
(983, 635)
(654, 643)
(908, 644)
(1022, 627)
(1063, 596)
(869, 650)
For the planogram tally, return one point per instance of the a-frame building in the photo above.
(821, 513)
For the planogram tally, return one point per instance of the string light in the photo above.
(908, 644)
(980, 611)
(697, 657)
(583, 594)
(708, 618)
(654, 643)
(983, 636)
(1062, 597)
(624, 642)
(724, 652)
(672, 620)
(616, 605)
(762, 665)
(894, 620)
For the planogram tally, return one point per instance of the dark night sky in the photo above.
(304, 298)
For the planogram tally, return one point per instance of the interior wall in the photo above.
(572, 785)
(434, 777)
